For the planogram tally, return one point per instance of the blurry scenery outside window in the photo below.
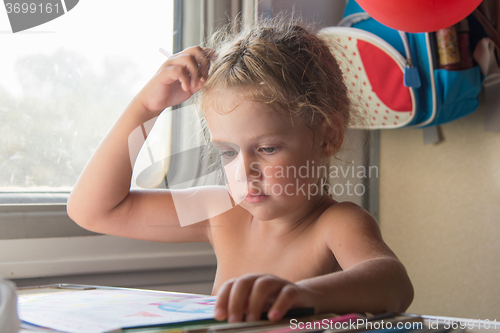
(64, 83)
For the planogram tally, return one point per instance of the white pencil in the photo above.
(165, 52)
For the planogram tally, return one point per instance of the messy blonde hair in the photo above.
(284, 64)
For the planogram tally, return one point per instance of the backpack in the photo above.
(393, 76)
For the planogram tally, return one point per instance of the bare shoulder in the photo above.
(348, 215)
(352, 234)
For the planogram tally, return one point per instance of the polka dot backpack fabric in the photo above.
(393, 77)
(374, 75)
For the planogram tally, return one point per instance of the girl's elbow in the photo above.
(72, 210)
(407, 297)
(76, 216)
(403, 295)
(79, 215)
(399, 293)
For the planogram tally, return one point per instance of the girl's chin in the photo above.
(261, 214)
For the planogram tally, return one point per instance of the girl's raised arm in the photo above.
(102, 200)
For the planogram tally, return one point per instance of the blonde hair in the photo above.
(282, 63)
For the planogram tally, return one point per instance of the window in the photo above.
(64, 83)
(62, 86)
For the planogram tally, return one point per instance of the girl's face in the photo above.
(271, 164)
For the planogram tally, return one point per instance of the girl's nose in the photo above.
(246, 170)
(240, 175)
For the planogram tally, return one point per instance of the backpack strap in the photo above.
(484, 54)
(488, 27)
(352, 19)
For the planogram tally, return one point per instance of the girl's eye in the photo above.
(228, 154)
(269, 150)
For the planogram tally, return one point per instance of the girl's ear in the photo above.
(333, 136)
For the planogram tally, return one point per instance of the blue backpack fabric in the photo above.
(442, 95)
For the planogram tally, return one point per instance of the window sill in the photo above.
(46, 257)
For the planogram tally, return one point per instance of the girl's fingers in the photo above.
(202, 59)
(264, 292)
(204, 64)
(196, 62)
(287, 299)
(220, 310)
(251, 294)
(209, 53)
(179, 73)
(189, 62)
(209, 57)
(238, 297)
(204, 56)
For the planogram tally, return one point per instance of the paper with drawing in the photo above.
(101, 310)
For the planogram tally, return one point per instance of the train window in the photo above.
(64, 83)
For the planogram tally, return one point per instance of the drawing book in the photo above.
(104, 310)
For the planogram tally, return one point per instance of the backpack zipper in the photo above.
(411, 76)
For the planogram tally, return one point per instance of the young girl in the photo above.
(275, 103)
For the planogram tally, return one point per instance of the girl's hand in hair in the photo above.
(182, 75)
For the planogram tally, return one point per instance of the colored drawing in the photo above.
(89, 311)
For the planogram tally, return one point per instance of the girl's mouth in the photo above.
(255, 198)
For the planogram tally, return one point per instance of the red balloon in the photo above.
(419, 15)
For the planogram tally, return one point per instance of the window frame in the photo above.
(37, 232)
(49, 203)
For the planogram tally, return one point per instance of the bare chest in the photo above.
(244, 251)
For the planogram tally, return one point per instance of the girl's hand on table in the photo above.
(248, 296)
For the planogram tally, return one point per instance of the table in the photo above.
(468, 325)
